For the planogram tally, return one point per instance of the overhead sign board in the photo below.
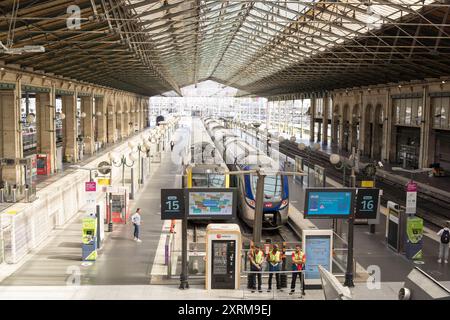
(367, 203)
(367, 184)
(329, 203)
(172, 204)
(211, 203)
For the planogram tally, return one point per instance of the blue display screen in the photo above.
(329, 203)
(318, 251)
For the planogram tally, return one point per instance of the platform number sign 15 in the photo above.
(367, 203)
(172, 204)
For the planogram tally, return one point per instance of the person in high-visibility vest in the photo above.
(274, 259)
(298, 263)
(256, 257)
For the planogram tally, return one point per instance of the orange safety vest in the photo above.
(300, 256)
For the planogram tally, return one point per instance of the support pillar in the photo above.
(111, 124)
(127, 120)
(11, 137)
(70, 128)
(147, 114)
(101, 123)
(387, 127)
(137, 116)
(311, 120)
(124, 121)
(45, 125)
(362, 126)
(341, 128)
(87, 106)
(326, 111)
(426, 130)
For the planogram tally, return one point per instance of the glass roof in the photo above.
(231, 40)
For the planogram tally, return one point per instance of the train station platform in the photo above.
(371, 249)
(121, 261)
(433, 192)
(125, 268)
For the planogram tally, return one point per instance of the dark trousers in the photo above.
(277, 276)
(136, 230)
(294, 279)
(253, 277)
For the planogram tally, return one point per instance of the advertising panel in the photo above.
(211, 203)
(414, 238)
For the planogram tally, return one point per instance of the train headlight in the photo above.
(284, 203)
(251, 203)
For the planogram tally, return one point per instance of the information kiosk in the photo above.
(318, 248)
(223, 252)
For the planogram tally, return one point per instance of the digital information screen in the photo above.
(318, 251)
(329, 203)
(211, 203)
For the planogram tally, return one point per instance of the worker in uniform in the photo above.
(298, 263)
(256, 257)
(274, 259)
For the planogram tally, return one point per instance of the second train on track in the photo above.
(241, 156)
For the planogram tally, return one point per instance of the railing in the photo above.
(285, 286)
(340, 253)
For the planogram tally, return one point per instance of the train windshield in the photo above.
(202, 180)
(272, 186)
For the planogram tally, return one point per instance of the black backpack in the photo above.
(445, 237)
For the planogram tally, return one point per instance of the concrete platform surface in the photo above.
(387, 291)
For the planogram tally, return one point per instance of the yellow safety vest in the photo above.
(274, 258)
(258, 257)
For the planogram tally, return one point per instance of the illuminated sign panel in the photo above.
(211, 203)
(329, 203)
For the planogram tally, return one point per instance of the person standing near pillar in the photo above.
(298, 263)
(274, 259)
(256, 257)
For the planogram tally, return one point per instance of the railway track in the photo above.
(432, 210)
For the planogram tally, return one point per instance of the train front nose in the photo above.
(274, 215)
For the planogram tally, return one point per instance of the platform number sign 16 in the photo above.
(172, 204)
(367, 203)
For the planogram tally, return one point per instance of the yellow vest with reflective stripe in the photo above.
(274, 258)
(258, 257)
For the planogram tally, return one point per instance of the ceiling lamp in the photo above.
(17, 51)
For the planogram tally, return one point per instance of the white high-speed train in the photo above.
(241, 156)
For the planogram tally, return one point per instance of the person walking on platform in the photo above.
(274, 259)
(136, 219)
(298, 263)
(256, 257)
(444, 233)
(172, 144)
